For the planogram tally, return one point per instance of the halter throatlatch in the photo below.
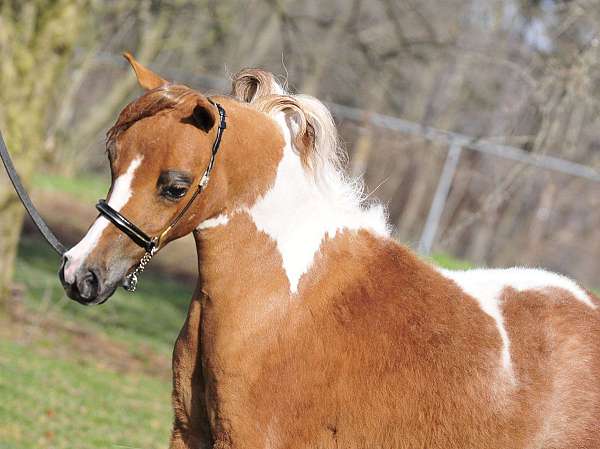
(152, 244)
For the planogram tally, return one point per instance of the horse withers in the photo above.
(310, 327)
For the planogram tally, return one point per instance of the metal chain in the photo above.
(132, 278)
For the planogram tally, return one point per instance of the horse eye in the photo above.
(174, 192)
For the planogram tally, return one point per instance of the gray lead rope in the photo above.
(26, 201)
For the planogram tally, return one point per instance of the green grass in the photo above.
(85, 377)
(65, 387)
(449, 262)
(151, 317)
(48, 402)
(88, 188)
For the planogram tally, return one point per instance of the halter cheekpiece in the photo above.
(152, 244)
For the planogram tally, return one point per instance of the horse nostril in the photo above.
(87, 285)
(61, 269)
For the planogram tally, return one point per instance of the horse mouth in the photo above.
(127, 283)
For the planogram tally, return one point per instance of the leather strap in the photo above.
(26, 201)
(152, 244)
(127, 227)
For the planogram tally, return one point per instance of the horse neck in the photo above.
(269, 249)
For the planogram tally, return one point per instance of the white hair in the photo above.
(314, 134)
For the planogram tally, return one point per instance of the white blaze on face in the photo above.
(121, 192)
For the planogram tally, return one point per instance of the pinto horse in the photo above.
(310, 327)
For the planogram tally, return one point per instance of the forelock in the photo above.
(166, 97)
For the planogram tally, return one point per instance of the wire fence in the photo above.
(455, 143)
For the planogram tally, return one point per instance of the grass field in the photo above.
(86, 377)
(88, 188)
(60, 402)
(148, 318)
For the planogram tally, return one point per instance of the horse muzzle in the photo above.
(87, 284)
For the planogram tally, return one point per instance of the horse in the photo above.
(311, 327)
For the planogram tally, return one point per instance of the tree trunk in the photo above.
(11, 219)
(36, 41)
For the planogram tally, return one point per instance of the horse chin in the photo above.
(104, 295)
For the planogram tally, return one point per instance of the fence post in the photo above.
(439, 199)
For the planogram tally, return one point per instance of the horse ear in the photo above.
(204, 115)
(146, 77)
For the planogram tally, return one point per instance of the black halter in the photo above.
(152, 244)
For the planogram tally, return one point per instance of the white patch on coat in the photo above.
(121, 192)
(300, 210)
(219, 220)
(486, 287)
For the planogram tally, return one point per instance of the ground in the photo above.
(86, 377)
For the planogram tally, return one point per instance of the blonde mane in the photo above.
(314, 131)
(314, 135)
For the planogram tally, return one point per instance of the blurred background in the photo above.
(475, 121)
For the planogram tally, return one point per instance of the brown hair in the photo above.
(166, 97)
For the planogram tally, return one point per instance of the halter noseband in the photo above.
(152, 244)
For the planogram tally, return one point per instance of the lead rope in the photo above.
(132, 278)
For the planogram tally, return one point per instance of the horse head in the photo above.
(159, 150)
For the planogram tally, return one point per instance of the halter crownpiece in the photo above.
(152, 244)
